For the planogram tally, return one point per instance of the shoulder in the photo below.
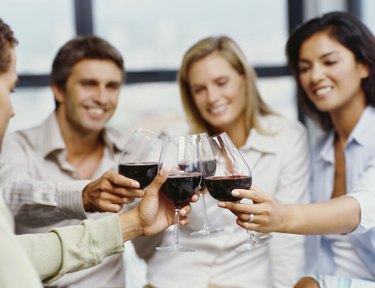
(280, 136)
(29, 136)
(36, 135)
(281, 126)
(18, 146)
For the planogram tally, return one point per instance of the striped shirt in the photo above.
(43, 190)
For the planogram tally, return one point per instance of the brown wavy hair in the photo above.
(7, 41)
(80, 48)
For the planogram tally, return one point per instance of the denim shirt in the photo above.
(360, 183)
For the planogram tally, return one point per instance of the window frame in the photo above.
(84, 25)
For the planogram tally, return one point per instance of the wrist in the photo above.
(289, 221)
(130, 225)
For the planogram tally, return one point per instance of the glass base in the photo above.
(252, 244)
(264, 238)
(175, 248)
(206, 230)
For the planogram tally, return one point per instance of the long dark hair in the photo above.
(349, 32)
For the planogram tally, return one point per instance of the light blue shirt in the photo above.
(360, 184)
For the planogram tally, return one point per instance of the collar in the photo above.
(326, 148)
(359, 135)
(49, 132)
(360, 132)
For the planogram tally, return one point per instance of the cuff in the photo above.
(70, 198)
(367, 205)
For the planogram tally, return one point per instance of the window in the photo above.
(41, 26)
(31, 105)
(367, 11)
(153, 36)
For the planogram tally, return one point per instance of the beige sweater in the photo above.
(26, 259)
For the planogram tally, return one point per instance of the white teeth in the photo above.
(322, 91)
(218, 109)
(97, 111)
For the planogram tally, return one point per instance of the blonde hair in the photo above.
(229, 50)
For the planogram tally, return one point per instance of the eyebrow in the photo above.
(321, 57)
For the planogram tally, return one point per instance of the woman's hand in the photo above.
(269, 216)
(327, 217)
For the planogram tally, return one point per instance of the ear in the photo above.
(364, 70)
(58, 93)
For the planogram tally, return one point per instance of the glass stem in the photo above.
(201, 194)
(252, 237)
(176, 226)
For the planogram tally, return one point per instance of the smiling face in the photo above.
(218, 91)
(91, 95)
(330, 74)
(7, 84)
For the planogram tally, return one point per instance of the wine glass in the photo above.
(208, 167)
(139, 159)
(232, 172)
(180, 158)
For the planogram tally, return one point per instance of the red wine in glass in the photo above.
(143, 172)
(140, 158)
(207, 164)
(180, 157)
(220, 187)
(232, 172)
(180, 187)
(208, 168)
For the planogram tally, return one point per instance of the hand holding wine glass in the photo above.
(271, 215)
(232, 172)
(180, 157)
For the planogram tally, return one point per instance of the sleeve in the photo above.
(34, 202)
(287, 254)
(13, 258)
(73, 248)
(364, 193)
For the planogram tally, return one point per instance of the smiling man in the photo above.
(46, 169)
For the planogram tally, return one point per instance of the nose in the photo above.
(102, 95)
(212, 93)
(317, 73)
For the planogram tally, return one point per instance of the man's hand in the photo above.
(110, 192)
(154, 213)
